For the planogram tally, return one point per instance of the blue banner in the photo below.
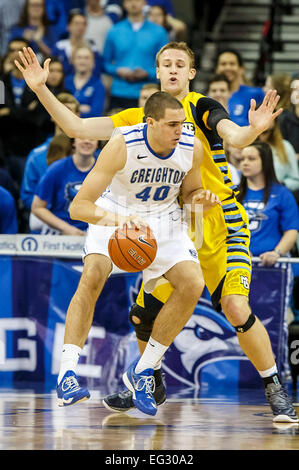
(34, 296)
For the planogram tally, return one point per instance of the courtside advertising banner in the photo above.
(36, 287)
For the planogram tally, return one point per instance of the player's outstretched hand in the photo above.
(34, 75)
(261, 118)
(205, 198)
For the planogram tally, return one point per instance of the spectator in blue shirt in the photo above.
(86, 87)
(64, 48)
(129, 54)
(35, 27)
(230, 63)
(59, 186)
(60, 147)
(8, 213)
(36, 162)
(271, 208)
(57, 16)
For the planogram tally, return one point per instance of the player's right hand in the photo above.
(34, 75)
(134, 221)
(205, 198)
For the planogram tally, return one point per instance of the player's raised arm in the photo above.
(36, 76)
(192, 191)
(259, 120)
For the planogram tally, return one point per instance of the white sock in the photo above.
(69, 359)
(267, 373)
(158, 365)
(151, 356)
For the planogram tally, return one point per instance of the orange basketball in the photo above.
(132, 249)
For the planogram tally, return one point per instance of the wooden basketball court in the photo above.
(33, 421)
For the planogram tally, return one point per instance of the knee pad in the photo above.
(247, 325)
(147, 317)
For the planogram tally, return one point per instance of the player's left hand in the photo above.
(269, 258)
(205, 198)
(261, 118)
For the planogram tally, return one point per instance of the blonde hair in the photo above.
(282, 83)
(150, 86)
(179, 46)
(68, 98)
(276, 140)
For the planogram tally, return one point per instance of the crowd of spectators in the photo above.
(102, 59)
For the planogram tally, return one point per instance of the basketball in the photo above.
(132, 249)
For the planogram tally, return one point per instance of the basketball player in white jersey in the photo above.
(141, 172)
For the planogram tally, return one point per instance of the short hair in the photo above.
(68, 98)
(18, 39)
(150, 86)
(179, 46)
(234, 52)
(55, 60)
(60, 147)
(219, 77)
(75, 12)
(158, 102)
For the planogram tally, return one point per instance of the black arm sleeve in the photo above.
(215, 111)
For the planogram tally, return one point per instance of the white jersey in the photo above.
(148, 185)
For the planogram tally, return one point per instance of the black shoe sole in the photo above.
(125, 410)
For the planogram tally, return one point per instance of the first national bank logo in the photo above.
(29, 244)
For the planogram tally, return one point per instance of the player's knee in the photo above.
(93, 275)
(191, 287)
(142, 320)
(236, 309)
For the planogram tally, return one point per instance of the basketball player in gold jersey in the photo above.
(224, 254)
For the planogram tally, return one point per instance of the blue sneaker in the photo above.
(123, 401)
(142, 387)
(69, 391)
